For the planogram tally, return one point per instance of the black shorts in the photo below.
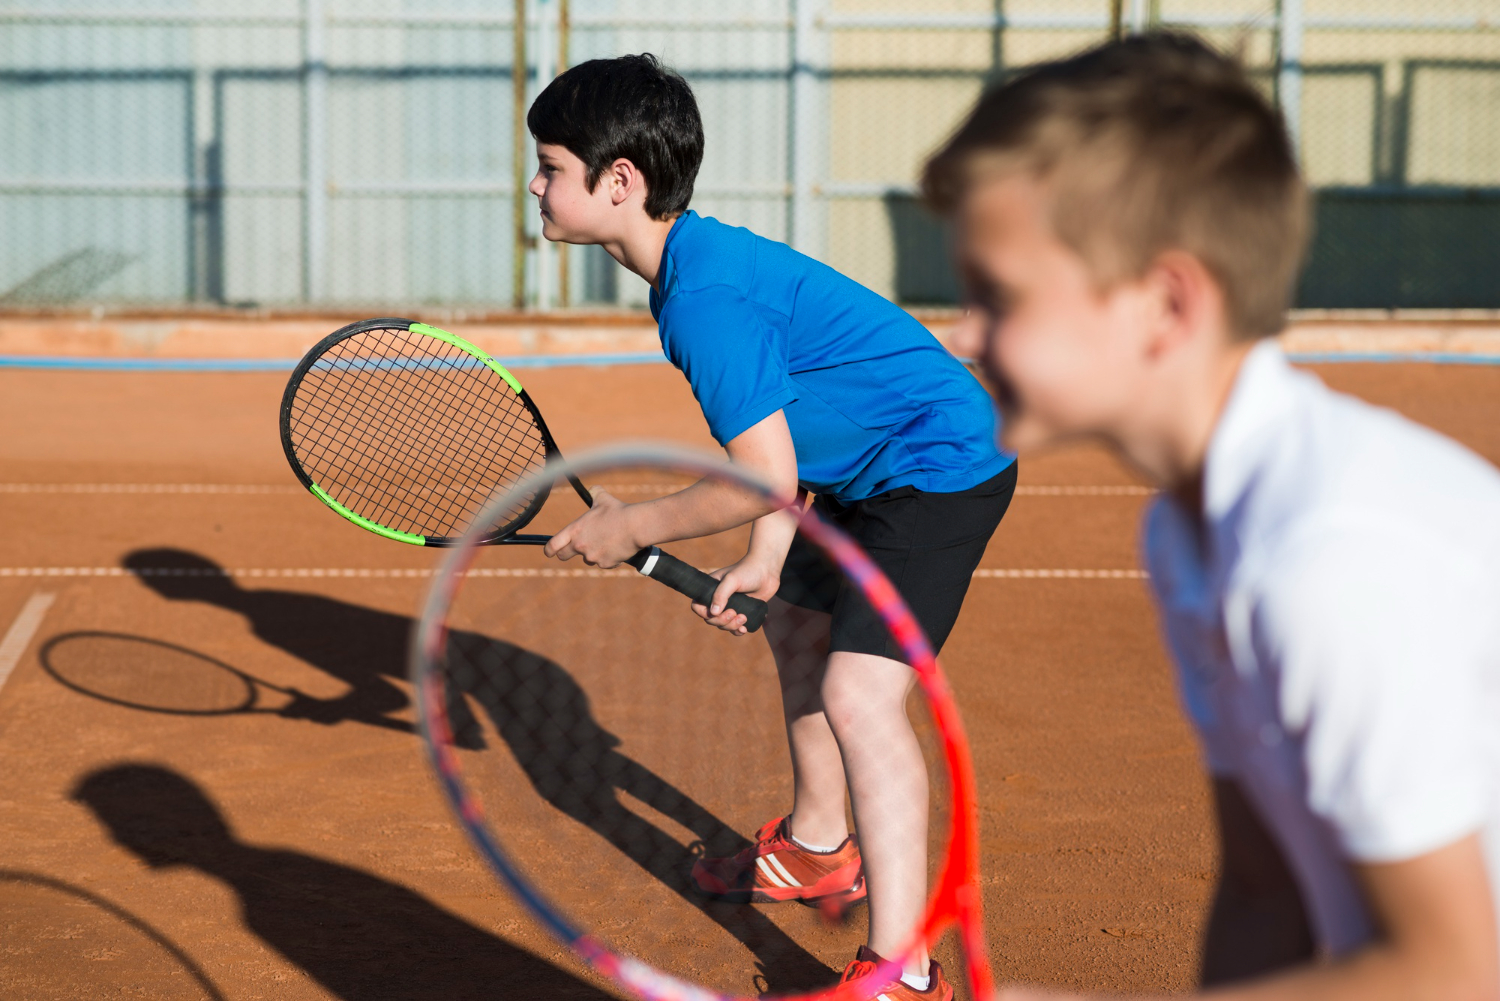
(928, 544)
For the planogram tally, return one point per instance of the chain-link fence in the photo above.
(340, 151)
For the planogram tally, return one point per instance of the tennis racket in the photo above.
(406, 430)
(614, 762)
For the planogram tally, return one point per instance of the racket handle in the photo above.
(694, 583)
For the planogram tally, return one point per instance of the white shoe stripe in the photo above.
(882, 997)
(782, 869)
(766, 871)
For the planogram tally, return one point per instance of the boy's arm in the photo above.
(612, 531)
(1257, 923)
(1438, 941)
(758, 573)
(1381, 665)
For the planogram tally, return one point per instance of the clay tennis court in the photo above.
(256, 854)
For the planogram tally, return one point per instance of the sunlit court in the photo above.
(339, 861)
(297, 700)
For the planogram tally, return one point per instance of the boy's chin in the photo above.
(1020, 432)
(553, 233)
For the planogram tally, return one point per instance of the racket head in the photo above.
(407, 430)
(146, 674)
(439, 660)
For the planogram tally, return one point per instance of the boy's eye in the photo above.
(987, 300)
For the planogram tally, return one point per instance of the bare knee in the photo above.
(862, 693)
(799, 645)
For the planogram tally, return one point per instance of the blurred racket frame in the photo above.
(955, 899)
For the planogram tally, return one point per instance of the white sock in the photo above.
(915, 982)
(814, 848)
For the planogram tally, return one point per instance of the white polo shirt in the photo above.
(1337, 631)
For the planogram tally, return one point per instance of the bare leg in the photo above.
(799, 643)
(848, 729)
(865, 703)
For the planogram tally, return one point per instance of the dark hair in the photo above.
(633, 108)
(1152, 143)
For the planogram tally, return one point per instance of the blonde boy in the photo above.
(1129, 224)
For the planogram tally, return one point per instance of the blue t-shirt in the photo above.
(873, 401)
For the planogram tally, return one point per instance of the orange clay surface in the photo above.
(337, 872)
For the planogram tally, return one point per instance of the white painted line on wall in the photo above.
(18, 638)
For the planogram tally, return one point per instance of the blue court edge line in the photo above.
(625, 358)
(1430, 357)
(287, 364)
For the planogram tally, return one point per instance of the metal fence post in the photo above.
(518, 154)
(315, 153)
(1289, 70)
(546, 60)
(805, 125)
(564, 290)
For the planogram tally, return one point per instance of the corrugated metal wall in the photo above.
(157, 150)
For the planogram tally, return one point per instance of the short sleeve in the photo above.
(731, 358)
(1382, 647)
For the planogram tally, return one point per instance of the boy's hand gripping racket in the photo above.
(595, 763)
(406, 430)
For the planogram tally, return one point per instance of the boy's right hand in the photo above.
(753, 575)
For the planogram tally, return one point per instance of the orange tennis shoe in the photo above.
(776, 868)
(867, 964)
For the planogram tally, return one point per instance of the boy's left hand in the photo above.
(754, 576)
(603, 535)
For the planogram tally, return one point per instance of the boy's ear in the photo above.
(624, 180)
(1188, 301)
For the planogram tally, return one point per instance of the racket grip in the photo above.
(694, 583)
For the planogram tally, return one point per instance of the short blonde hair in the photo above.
(1149, 144)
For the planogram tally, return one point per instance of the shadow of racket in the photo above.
(160, 677)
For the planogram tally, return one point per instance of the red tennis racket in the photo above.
(595, 740)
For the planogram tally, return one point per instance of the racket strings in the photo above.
(399, 421)
(615, 741)
(385, 415)
(370, 485)
(426, 466)
(405, 423)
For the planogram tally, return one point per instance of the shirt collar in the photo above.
(1262, 395)
(666, 271)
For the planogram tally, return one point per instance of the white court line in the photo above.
(297, 572)
(419, 572)
(148, 488)
(1112, 490)
(1064, 574)
(20, 633)
(614, 488)
(1081, 491)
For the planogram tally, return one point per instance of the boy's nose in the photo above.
(967, 338)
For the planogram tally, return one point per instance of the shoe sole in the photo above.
(843, 899)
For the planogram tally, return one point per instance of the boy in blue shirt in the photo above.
(811, 381)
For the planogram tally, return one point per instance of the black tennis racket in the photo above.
(407, 431)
